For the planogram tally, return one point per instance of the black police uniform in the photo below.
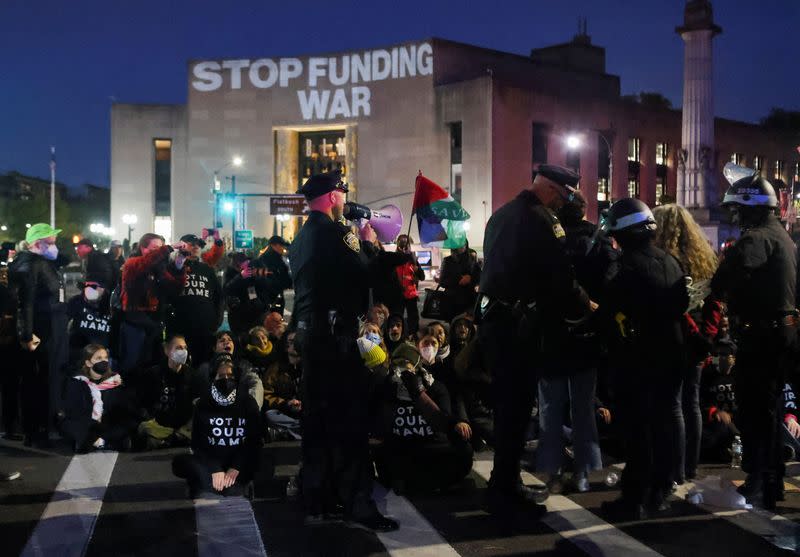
(280, 278)
(757, 278)
(524, 263)
(331, 281)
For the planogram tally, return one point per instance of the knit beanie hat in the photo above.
(372, 353)
(406, 353)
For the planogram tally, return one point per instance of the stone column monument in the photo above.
(697, 172)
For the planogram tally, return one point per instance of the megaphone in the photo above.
(387, 221)
(734, 172)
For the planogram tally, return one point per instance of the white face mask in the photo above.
(179, 356)
(92, 294)
(428, 354)
(374, 337)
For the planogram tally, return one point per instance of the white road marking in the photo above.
(584, 529)
(68, 521)
(227, 527)
(416, 537)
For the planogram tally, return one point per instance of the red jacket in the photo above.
(147, 278)
(212, 256)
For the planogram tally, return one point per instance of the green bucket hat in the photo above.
(40, 230)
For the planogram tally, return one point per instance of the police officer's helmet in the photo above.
(752, 191)
(630, 215)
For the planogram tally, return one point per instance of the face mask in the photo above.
(91, 294)
(179, 356)
(100, 368)
(374, 337)
(428, 354)
(50, 252)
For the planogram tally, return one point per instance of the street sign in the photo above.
(288, 205)
(243, 239)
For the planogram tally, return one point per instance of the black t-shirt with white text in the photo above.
(198, 308)
(89, 323)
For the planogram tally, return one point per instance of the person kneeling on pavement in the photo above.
(98, 410)
(225, 439)
(424, 447)
(282, 392)
(166, 397)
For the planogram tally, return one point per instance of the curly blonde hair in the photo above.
(679, 235)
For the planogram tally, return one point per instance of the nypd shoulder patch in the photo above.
(352, 242)
(558, 230)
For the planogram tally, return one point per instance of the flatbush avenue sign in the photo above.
(347, 73)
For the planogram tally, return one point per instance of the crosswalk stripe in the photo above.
(584, 529)
(67, 523)
(227, 527)
(416, 537)
(774, 528)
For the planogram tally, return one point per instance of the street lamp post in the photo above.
(129, 220)
(236, 161)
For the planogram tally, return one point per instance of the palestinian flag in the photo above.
(440, 219)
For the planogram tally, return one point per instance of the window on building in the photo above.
(737, 158)
(602, 189)
(163, 177)
(662, 153)
(796, 171)
(455, 160)
(633, 149)
(778, 170)
(539, 137)
(661, 189)
(633, 187)
(321, 151)
(758, 162)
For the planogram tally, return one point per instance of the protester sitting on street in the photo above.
(282, 390)
(150, 276)
(225, 439)
(395, 334)
(424, 447)
(167, 393)
(247, 378)
(275, 325)
(790, 427)
(259, 350)
(718, 402)
(441, 367)
(378, 314)
(99, 412)
(89, 315)
(197, 310)
(372, 332)
(475, 379)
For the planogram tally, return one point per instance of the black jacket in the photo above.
(650, 292)
(383, 268)
(330, 271)
(758, 274)
(226, 437)
(198, 308)
(280, 279)
(168, 396)
(39, 294)
(89, 323)
(461, 298)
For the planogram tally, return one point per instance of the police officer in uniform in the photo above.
(526, 282)
(757, 278)
(642, 314)
(329, 267)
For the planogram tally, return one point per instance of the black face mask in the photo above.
(100, 368)
(225, 386)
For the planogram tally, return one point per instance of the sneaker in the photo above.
(582, 484)
(10, 476)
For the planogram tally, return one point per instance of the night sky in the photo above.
(63, 61)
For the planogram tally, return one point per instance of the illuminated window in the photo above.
(163, 176)
(758, 162)
(633, 188)
(163, 227)
(737, 158)
(778, 170)
(796, 171)
(321, 152)
(662, 153)
(602, 189)
(660, 189)
(633, 149)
